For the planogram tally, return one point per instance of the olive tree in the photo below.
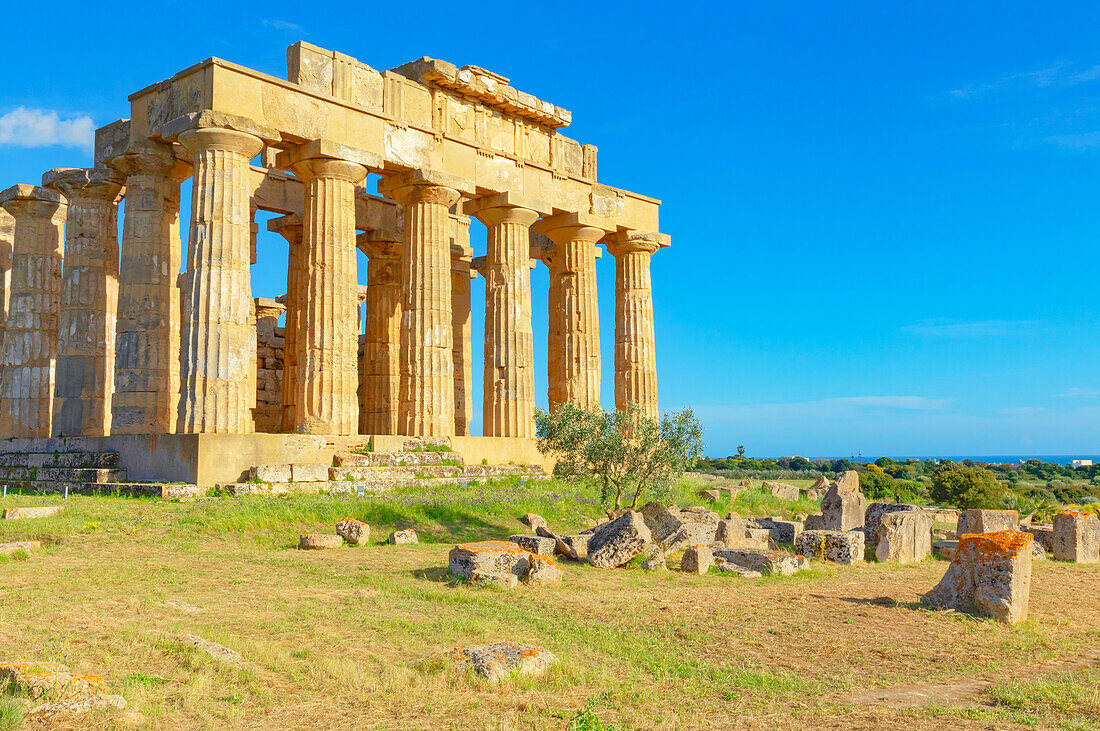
(626, 453)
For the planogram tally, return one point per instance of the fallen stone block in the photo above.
(814, 521)
(904, 537)
(731, 531)
(875, 511)
(543, 570)
(782, 490)
(406, 537)
(653, 558)
(353, 531)
(501, 659)
(986, 521)
(570, 546)
(6, 549)
(1043, 534)
(712, 496)
(489, 557)
(844, 506)
(533, 521)
(843, 547)
(538, 545)
(697, 560)
(1076, 537)
(494, 581)
(43, 511)
(318, 541)
(758, 538)
(779, 531)
(615, 543)
(213, 649)
(990, 575)
(765, 562)
(728, 567)
(945, 549)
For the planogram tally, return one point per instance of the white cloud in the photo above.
(1058, 75)
(1080, 142)
(1076, 392)
(282, 25)
(22, 127)
(944, 328)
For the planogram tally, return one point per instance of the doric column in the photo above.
(290, 228)
(381, 367)
(327, 340)
(147, 343)
(218, 342)
(635, 342)
(509, 375)
(89, 301)
(427, 358)
(7, 238)
(29, 358)
(462, 346)
(574, 345)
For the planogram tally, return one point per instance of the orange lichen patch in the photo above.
(483, 546)
(352, 521)
(1005, 542)
(544, 560)
(1077, 514)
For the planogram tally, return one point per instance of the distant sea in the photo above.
(1000, 459)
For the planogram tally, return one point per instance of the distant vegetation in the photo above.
(1033, 487)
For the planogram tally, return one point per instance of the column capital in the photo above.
(329, 168)
(154, 158)
(626, 242)
(32, 201)
(290, 227)
(322, 149)
(204, 139)
(100, 183)
(207, 119)
(494, 208)
(379, 245)
(426, 186)
(266, 307)
(565, 227)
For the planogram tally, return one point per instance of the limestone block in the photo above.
(945, 549)
(538, 545)
(843, 547)
(543, 570)
(987, 521)
(712, 496)
(495, 581)
(763, 561)
(731, 531)
(782, 490)
(697, 560)
(316, 541)
(44, 511)
(533, 521)
(875, 511)
(353, 531)
(309, 472)
(653, 558)
(270, 472)
(844, 505)
(779, 531)
(404, 537)
(497, 661)
(1076, 537)
(990, 574)
(1043, 534)
(728, 567)
(815, 521)
(615, 543)
(662, 520)
(6, 549)
(904, 536)
(489, 557)
(757, 538)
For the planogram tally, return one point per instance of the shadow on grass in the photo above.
(436, 574)
(878, 601)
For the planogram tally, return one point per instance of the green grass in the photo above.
(11, 713)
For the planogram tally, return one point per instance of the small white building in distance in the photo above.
(1080, 463)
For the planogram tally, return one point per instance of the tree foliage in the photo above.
(966, 487)
(627, 454)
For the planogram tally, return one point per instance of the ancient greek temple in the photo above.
(107, 339)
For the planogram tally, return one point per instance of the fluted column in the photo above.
(7, 238)
(327, 339)
(427, 361)
(147, 339)
(574, 346)
(462, 346)
(635, 341)
(218, 353)
(29, 357)
(290, 228)
(509, 385)
(381, 370)
(89, 301)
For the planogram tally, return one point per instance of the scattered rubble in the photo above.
(497, 661)
(405, 537)
(843, 547)
(615, 543)
(697, 560)
(355, 532)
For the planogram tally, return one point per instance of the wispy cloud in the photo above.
(1060, 75)
(909, 403)
(1076, 392)
(1080, 142)
(946, 328)
(22, 127)
(1023, 410)
(283, 25)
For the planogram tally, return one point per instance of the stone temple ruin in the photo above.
(131, 356)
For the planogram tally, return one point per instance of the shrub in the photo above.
(966, 487)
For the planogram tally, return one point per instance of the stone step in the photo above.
(383, 473)
(124, 489)
(396, 459)
(63, 474)
(59, 459)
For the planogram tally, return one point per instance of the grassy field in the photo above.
(356, 637)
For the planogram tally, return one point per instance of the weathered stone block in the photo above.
(990, 575)
(1043, 534)
(653, 558)
(1076, 537)
(403, 537)
(779, 531)
(533, 521)
(782, 490)
(44, 511)
(765, 562)
(489, 557)
(904, 537)
(728, 567)
(875, 511)
(987, 521)
(843, 547)
(309, 472)
(496, 581)
(615, 543)
(731, 531)
(353, 531)
(945, 549)
(543, 570)
(697, 560)
(497, 661)
(317, 541)
(538, 545)
(815, 521)
(844, 505)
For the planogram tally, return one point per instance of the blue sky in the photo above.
(884, 216)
